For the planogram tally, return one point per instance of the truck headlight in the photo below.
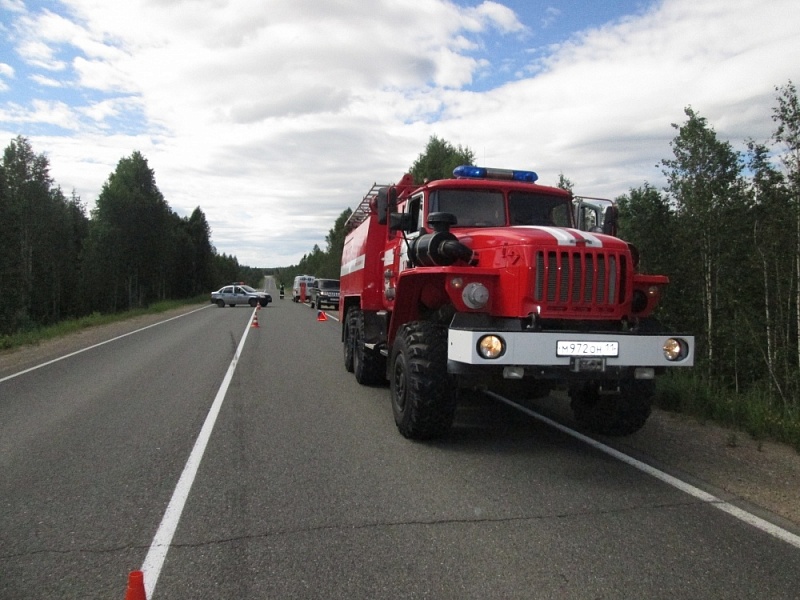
(491, 346)
(675, 349)
(475, 295)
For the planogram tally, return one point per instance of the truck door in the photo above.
(416, 209)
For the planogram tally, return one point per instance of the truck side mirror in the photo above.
(610, 221)
(385, 203)
(401, 222)
(382, 205)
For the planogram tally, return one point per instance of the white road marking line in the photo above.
(735, 511)
(119, 337)
(172, 516)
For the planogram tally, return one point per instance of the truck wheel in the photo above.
(221, 303)
(423, 394)
(622, 413)
(368, 366)
(349, 337)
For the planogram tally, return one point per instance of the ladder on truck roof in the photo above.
(362, 211)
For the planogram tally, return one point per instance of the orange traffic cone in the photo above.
(255, 324)
(321, 316)
(135, 586)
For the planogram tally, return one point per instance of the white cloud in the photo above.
(6, 72)
(551, 14)
(100, 112)
(45, 81)
(603, 103)
(55, 113)
(274, 116)
(16, 6)
(496, 15)
(41, 55)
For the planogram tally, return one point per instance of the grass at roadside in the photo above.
(757, 412)
(40, 334)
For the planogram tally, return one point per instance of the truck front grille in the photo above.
(582, 280)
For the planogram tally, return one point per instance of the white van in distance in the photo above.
(308, 280)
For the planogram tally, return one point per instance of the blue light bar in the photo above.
(469, 171)
(488, 173)
(528, 176)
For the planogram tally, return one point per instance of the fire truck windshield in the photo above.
(526, 208)
(472, 208)
(486, 208)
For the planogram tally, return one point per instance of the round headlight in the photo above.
(675, 349)
(491, 346)
(475, 295)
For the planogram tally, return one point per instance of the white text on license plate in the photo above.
(574, 348)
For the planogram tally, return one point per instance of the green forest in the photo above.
(725, 229)
(132, 250)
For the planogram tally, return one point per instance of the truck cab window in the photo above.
(472, 208)
(414, 209)
(538, 209)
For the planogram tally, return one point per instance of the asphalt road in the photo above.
(306, 490)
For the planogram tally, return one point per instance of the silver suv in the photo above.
(239, 293)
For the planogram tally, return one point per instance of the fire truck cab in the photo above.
(483, 281)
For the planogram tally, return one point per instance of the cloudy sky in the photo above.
(274, 116)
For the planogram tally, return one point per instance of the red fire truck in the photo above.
(483, 281)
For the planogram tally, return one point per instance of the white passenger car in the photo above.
(239, 293)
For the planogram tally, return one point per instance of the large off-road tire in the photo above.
(369, 366)
(616, 414)
(348, 343)
(423, 394)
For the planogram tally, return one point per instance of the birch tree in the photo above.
(704, 182)
(787, 134)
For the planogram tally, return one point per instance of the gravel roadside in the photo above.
(762, 476)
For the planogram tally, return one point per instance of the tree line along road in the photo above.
(306, 490)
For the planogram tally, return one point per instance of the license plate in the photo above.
(575, 348)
